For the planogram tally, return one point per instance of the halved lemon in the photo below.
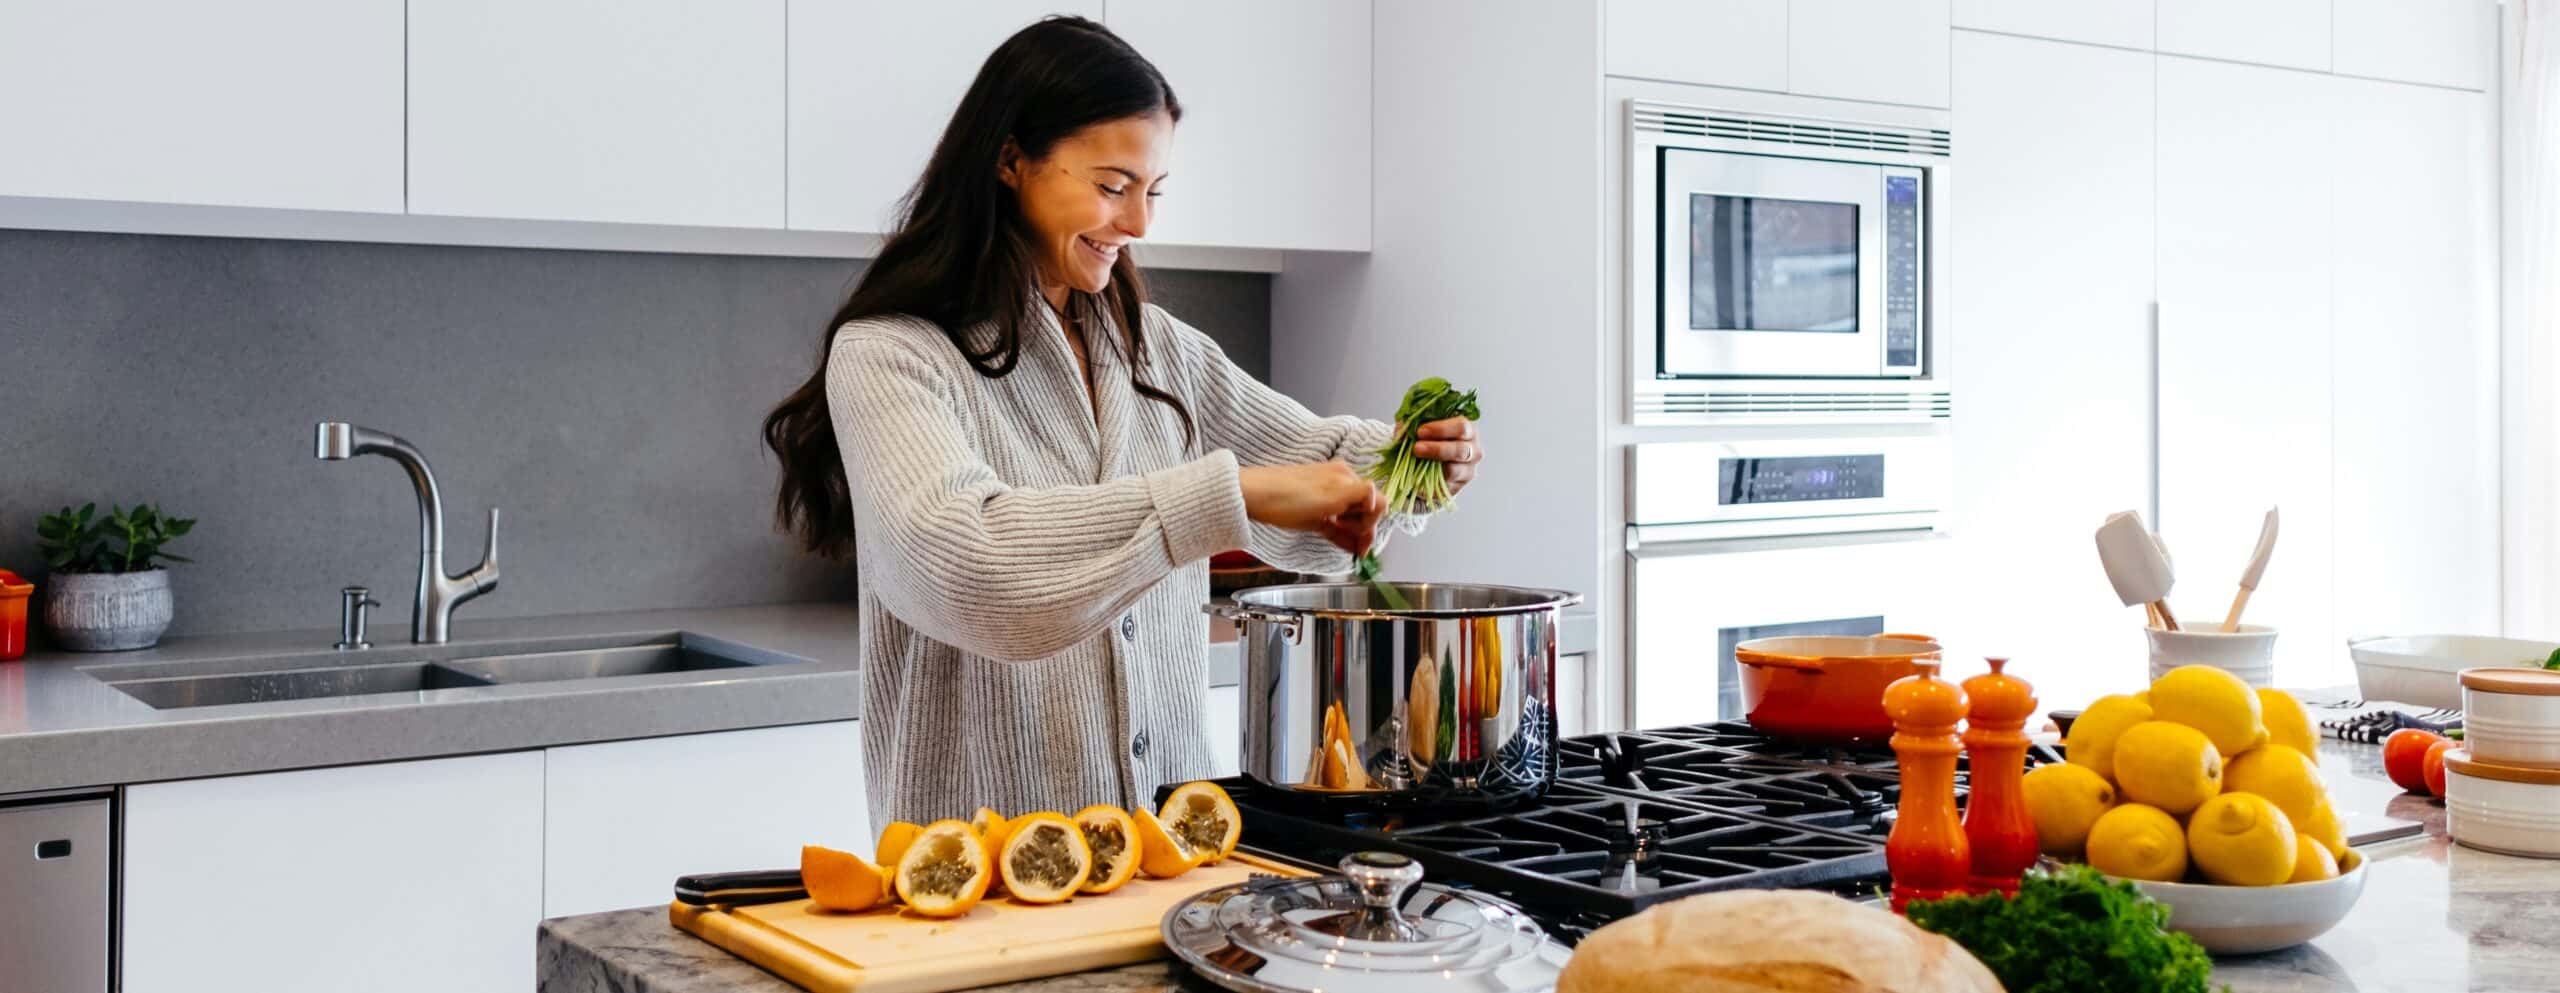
(1045, 858)
(1113, 837)
(946, 871)
(1160, 852)
(894, 840)
(840, 880)
(991, 828)
(1205, 818)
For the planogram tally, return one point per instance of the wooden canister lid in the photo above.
(2459, 760)
(2512, 679)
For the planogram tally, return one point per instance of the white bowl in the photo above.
(2244, 920)
(2422, 669)
(2511, 716)
(2503, 809)
(2249, 653)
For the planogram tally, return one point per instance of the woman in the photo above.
(1031, 464)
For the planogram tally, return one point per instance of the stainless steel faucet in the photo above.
(431, 615)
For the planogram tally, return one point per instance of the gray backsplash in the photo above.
(608, 401)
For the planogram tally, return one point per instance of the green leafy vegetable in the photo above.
(2554, 661)
(1414, 486)
(2071, 931)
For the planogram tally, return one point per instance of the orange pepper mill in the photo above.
(1926, 852)
(1996, 822)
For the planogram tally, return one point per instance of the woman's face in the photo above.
(1091, 196)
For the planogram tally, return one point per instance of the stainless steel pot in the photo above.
(1449, 702)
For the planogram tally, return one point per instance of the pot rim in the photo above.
(1242, 608)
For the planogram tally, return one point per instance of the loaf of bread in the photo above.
(1770, 941)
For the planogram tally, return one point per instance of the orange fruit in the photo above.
(1045, 858)
(1205, 818)
(1162, 853)
(894, 840)
(946, 871)
(991, 828)
(1113, 838)
(840, 880)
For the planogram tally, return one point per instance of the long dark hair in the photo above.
(960, 255)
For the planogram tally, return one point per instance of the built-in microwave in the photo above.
(1779, 247)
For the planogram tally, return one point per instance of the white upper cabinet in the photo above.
(257, 103)
(2247, 216)
(2292, 33)
(2444, 42)
(400, 877)
(1273, 149)
(2416, 372)
(2123, 23)
(2050, 277)
(633, 111)
(872, 84)
(1885, 51)
(622, 819)
(1740, 43)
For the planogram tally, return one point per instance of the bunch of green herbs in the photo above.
(2072, 930)
(1412, 485)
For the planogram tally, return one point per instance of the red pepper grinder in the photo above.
(1996, 823)
(1926, 852)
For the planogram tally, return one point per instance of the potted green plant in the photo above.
(108, 591)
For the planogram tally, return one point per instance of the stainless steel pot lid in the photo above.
(1422, 599)
(1369, 930)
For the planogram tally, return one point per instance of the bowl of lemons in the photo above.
(2206, 794)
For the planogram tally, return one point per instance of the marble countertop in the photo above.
(2434, 917)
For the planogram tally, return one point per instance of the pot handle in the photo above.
(1294, 624)
(1797, 663)
(1908, 637)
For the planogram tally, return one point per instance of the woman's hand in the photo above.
(1452, 443)
(1327, 498)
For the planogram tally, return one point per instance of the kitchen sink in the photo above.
(595, 663)
(172, 692)
(173, 685)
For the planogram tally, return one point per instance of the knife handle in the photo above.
(740, 888)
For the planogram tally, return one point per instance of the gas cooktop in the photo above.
(1635, 818)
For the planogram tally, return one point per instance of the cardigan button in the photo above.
(1138, 746)
(1129, 628)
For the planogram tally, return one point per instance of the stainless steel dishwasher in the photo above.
(54, 894)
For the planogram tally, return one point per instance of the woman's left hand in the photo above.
(1452, 443)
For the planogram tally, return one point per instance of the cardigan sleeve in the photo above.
(1264, 426)
(999, 571)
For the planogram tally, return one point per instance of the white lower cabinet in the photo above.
(1226, 729)
(402, 876)
(621, 820)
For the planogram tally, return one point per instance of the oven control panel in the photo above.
(1799, 478)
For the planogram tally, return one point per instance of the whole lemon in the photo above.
(2170, 766)
(2311, 862)
(2135, 841)
(2322, 825)
(2288, 724)
(2092, 741)
(2212, 701)
(2064, 800)
(2241, 839)
(2280, 774)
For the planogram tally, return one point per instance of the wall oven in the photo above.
(1769, 246)
(1750, 538)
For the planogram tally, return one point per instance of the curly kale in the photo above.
(2072, 931)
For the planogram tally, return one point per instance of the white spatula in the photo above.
(2256, 571)
(2136, 564)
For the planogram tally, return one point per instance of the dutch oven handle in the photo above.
(1915, 637)
(1295, 624)
(1795, 662)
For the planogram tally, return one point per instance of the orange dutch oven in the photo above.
(1826, 688)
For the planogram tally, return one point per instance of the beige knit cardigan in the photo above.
(1032, 565)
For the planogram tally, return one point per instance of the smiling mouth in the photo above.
(1106, 253)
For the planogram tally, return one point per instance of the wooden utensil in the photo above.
(2136, 564)
(2257, 570)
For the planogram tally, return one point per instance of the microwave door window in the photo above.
(1765, 264)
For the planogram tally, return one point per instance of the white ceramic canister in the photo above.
(2506, 809)
(2249, 653)
(2511, 715)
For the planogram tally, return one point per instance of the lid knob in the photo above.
(1381, 879)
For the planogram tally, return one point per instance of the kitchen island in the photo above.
(2434, 917)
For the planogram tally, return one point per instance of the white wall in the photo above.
(1484, 268)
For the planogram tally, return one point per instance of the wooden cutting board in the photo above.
(890, 951)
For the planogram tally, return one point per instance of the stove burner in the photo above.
(1632, 851)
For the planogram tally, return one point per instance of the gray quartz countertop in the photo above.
(2434, 917)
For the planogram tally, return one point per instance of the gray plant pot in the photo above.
(108, 611)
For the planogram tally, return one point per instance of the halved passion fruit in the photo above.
(1113, 837)
(1045, 858)
(946, 871)
(894, 840)
(1161, 853)
(991, 828)
(1205, 818)
(840, 880)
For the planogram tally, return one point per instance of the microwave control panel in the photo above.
(1902, 271)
